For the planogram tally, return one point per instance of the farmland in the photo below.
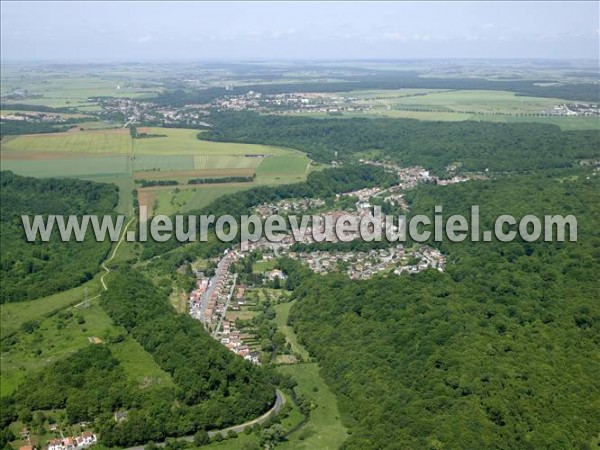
(110, 155)
(458, 105)
(479, 102)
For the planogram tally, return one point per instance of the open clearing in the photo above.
(57, 337)
(282, 312)
(324, 430)
(187, 198)
(12, 315)
(139, 365)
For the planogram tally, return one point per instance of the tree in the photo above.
(201, 438)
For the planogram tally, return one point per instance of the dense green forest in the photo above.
(500, 351)
(35, 269)
(434, 145)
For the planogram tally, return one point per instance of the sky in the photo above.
(157, 31)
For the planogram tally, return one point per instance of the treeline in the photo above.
(392, 80)
(434, 145)
(17, 127)
(497, 352)
(38, 108)
(222, 180)
(133, 132)
(36, 269)
(150, 183)
(324, 184)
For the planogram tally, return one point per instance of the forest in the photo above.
(32, 270)
(477, 146)
(502, 346)
(213, 387)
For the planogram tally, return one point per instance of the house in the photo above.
(88, 438)
(55, 444)
(276, 273)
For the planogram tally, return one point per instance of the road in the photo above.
(279, 402)
(214, 333)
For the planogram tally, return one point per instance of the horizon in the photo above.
(181, 31)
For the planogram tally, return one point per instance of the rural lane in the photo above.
(279, 402)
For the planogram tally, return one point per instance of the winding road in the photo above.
(279, 402)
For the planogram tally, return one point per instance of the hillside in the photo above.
(503, 346)
(31, 270)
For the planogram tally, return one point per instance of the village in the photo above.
(214, 296)
(84, 440)
(574, 109)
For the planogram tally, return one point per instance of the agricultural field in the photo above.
(172, 199)
(67, 165)
(185, 142)
(478, 102)
(61, 88)
(110, 155)
(73, 141)
(453, 106)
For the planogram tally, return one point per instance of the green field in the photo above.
(87, 141)
(139, 365)
(225, 162)
(60, 88)
(56, 337)
(451, 106)
(324, 430)
(288, 168)
(14, 314)
(170, 200)
(78, 166)
(165, 162)
(185, 142)
(483, 102)
(283, 311)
